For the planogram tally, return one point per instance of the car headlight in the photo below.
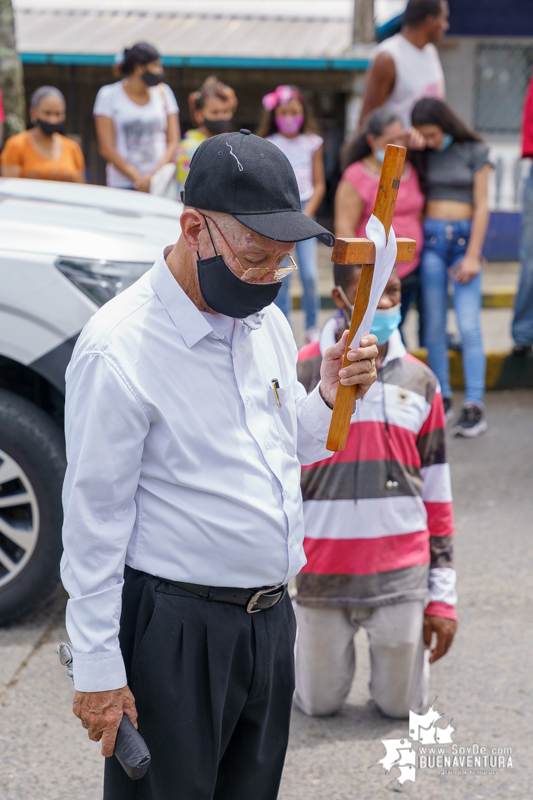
(101, 280)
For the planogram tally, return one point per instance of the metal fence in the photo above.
(502, 74)
(502, 71)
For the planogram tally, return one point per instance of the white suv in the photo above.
(65, 249)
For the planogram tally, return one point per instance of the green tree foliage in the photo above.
(11, 77)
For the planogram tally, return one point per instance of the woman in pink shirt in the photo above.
(356, 193)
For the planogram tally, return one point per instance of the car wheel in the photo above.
(32, 466)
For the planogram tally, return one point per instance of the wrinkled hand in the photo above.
(101, 712)
(470, 267)
(444, 629)
(415, 140)
(142, 183)
(361, 373)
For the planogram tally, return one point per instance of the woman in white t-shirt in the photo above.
(137, 122)
(288, 123)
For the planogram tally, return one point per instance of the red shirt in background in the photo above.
(527, 123)
(2, 118)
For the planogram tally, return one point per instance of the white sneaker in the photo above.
(471, 423)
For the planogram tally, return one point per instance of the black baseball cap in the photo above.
(251, 179)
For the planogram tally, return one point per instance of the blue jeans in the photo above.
(412, 293)
(444, 243)
(522, 328)
(306, 256)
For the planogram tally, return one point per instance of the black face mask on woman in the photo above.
(49, 128)
(153, 78)
(216, 126)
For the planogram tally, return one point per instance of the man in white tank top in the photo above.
(407, 66)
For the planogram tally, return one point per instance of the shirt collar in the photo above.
(396, 348)
(187, 318)
(328, 333)
(254, 321)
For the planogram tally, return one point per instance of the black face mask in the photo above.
(225, 293)
(153, 78)
(216, 126)
(48, 128)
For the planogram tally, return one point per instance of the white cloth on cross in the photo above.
(385, 260)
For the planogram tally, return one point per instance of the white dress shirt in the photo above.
(180, 463)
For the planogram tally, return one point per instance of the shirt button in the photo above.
(292, 542)
(285, 493)
(267, 445)
(247, 400)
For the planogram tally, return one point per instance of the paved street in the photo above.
(484, 683)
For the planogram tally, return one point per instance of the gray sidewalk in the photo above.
(484, 682)
(46, 754)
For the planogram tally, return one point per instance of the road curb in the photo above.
(493, 297)
(499, 297)
(504, 370)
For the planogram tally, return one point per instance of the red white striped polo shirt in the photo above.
(378, 515)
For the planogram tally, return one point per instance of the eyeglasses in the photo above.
(250, 275)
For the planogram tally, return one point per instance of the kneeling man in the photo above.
(378, 526)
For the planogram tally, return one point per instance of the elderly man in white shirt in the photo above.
(186, 427)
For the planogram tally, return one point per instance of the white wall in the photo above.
(505, 186)
(457, 57)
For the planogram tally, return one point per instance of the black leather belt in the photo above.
(254, 600)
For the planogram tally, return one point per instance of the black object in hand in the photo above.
(131, 750)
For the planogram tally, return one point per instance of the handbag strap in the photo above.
(161, 90)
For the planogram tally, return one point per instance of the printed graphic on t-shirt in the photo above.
(139, 138)
(434, 89)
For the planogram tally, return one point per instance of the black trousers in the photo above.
(213, 687)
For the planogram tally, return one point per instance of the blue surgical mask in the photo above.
(386, 320)
(446, 142)
(379, 155)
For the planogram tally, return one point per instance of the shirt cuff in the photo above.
(316, 415)
(441, 610)
(442, 585)
(99, 672)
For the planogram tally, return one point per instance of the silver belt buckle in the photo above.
(253, 600)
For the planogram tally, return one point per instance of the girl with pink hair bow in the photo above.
(289, 124)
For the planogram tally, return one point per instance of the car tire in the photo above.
(32, 467)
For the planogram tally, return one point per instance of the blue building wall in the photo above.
(504, 18)
(503, 236)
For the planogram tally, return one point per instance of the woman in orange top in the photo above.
(43, 152)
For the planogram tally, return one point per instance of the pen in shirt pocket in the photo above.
(275, 387)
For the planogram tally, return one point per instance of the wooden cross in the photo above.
(363, 251)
